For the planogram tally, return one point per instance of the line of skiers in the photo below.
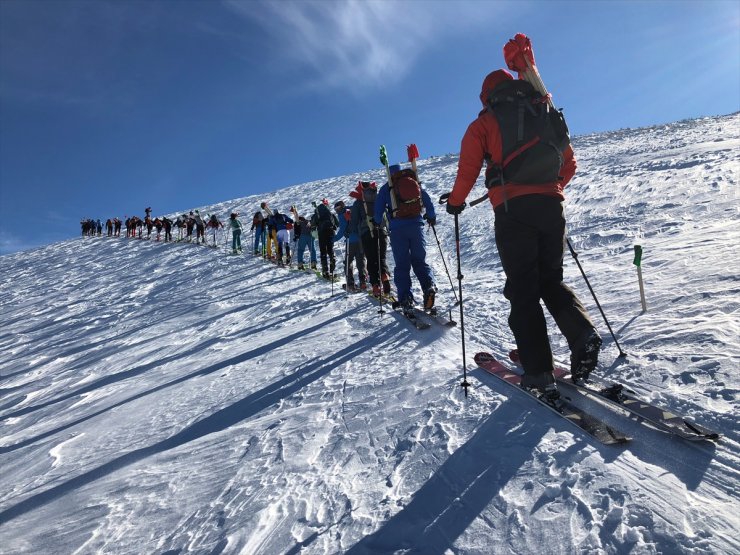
(135, 226)
(90, 227)
(525, 147)
(377, 215)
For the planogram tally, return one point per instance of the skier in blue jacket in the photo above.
(407, 234)
(354, 252)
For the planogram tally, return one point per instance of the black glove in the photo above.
(432, 221)
(452, 209)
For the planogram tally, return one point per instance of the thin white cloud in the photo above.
(358, 43)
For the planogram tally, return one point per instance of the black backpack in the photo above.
(534, 136)
(325, 218)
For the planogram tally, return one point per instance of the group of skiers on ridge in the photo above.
(185, 225)
(91, 228)
(398, 213)
(529, 161)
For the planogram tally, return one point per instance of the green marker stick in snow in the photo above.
(638, 262)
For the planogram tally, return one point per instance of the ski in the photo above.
(333, 277)
(434, 314)
(352, 290)
(305, 270)
(616, 394)
(587, 422)
(387, 299)
(413, 317)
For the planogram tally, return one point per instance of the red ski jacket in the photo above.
(483, 136)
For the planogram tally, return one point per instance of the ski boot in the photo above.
(585, 356)
(386, 287)
(429, 295)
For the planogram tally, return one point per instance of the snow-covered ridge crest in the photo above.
(170, 399)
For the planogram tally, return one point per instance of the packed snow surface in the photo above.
(170, 398)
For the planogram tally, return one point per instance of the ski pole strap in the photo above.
(638, 256)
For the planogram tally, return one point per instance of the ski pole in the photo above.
(575, 257)
(464, 383)
(331, 275)
(380, 275)
(457, 302)
(346, 264)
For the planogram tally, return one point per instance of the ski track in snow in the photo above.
(161, 398)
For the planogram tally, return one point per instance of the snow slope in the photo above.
(171, 399)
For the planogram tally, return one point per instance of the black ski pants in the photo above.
(326, 249)
(530, 237)
(377, 266)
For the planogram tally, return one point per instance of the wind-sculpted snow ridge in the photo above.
(168, 398)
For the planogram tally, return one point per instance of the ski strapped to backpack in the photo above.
(367, 192)
(405, 189)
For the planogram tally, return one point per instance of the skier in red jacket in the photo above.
(530, 237)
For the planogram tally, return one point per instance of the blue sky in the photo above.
(107, 107)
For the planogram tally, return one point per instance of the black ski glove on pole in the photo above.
(452, 209)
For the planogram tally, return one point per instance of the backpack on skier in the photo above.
(534, 136)
(407, 189)
(325, 219)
